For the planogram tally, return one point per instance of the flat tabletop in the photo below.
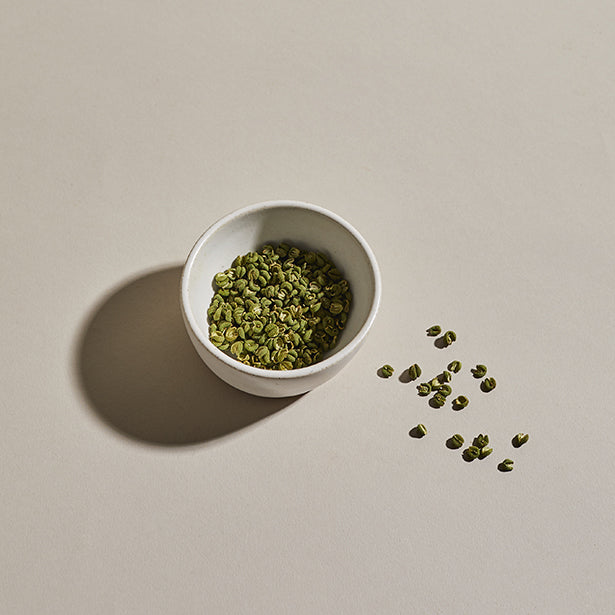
(473, 146)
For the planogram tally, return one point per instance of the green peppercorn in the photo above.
(424, 389)
(481, 440)
(460, 402)
(472, 452)
(488, 384)
(449, 338)
(272, 330)
(485, 452)
(433, 331)
(520, 439)
(438, 400)
(445, 376)
(216, 338)
(456, 441)
(421, 430)
(222, 280)
(237, 348)
(231, 334)
(414, 371)
(275, 301)
(479, 371)
(454, 366)
(445, 390)
(386, 371)
(435, 384)
(506, 465)
(263, 355)
(250, 346)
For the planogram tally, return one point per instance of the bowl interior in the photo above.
(305, 228)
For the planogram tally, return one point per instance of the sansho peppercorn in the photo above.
(424, 389)
(456, 441)
(454, 366)
(506, 465)
(386, 371)
(479, 371)
(488, 384)
(520, 439)
(449, 338)
(414, 371)
(460, 402)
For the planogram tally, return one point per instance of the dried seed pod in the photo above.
(449, 338)
(485, 452)
(386, 371)
(454, 366)
(488, 384)
(460, 402)
(456, 441)
(424, 389)
(479, 371)
(506, 465)
(414, 371)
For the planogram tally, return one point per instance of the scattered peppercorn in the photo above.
(479, 371)
(485, 452)
(386, 371)
(449, 338)
(488, 384)
(506, 465)
(424, 389)
(456, 441)
(414, 371)
(460, 402)
(445, 390)
(454, 366)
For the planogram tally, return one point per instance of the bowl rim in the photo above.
(300, 372)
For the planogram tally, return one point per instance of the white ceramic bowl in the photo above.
(306, 226)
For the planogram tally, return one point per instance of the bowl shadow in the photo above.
(141, 375)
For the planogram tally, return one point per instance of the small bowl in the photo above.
(306, 226)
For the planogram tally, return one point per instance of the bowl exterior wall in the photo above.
(261, 387)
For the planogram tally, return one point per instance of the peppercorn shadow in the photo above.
(440, 343)
(142, 377)
(415, 432)
(405, 377)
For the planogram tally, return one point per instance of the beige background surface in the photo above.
(472, 143)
